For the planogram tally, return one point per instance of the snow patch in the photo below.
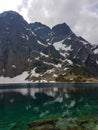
(18, 79)
(3, 70)
(97, 61)
(69, 38)
(33, 73)
(96, 51)
(59, 46)
(51, 81)
(13, 66)
(43, 54)
(29, 60)
(84, 42)
(41, 43)
(65, 69)
(69, 61)
(40, 81)
(28, 29)
(50, 71)
(55, 75)
(25, 37)
(49, 43)
(43, 81)
(37, 58)
(47, 40)
(33, 33)
(77, 53)
(57, 66)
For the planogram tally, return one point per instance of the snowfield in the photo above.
(22, 78)
(18, 79)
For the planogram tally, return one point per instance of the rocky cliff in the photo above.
(39, 52)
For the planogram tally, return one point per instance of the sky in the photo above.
(80, 15)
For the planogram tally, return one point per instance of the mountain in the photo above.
(36, 52)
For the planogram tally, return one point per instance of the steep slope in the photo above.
(16, 43)
(21, 50)
(76, 50)
(42, 31)
(36, 52)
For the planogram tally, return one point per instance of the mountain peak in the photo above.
(10, 12)
(39, 25)
(60, 32)
(62, 24)
(12, 19)
(11, 15)
(64, 28)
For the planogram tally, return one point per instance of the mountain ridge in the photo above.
(42, 53)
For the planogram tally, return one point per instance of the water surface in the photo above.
(54, 106)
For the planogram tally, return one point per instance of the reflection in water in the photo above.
(66, 105)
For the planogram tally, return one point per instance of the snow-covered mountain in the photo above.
(35, 52)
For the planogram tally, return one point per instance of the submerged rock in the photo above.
(72, 123)
(43, 125)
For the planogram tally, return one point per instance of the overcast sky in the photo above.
(80, 15)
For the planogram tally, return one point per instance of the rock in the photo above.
(22, 45)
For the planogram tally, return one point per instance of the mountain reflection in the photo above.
(29, 104)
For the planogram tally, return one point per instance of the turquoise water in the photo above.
(70, 106)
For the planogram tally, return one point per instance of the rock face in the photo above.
(16, 43)
(38, 48)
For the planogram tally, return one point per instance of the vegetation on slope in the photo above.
(75, 74)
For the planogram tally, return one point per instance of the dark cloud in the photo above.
(80, 15)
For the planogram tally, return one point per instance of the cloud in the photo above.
(80, 15)
(9, 5)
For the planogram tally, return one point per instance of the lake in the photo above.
(49, 106)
